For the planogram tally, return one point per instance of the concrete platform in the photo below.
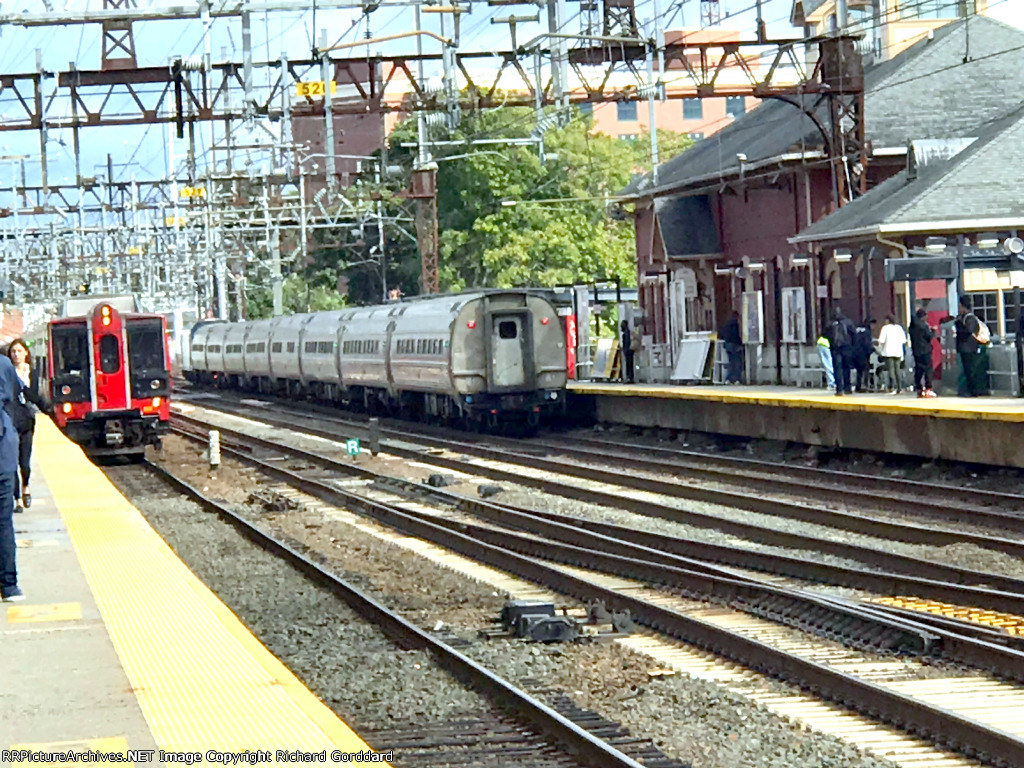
(980, 430)
(119, 647)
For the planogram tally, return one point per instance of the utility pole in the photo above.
(424, 188)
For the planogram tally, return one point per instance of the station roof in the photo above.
(926, 91)
(966, 184)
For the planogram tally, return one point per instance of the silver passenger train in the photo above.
(476, 357)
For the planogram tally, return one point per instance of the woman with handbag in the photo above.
(22, 408)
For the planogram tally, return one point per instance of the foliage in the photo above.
(300, 294)
(556, 232)
(508, 218)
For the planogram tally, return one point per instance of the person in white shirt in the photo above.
(891, 344)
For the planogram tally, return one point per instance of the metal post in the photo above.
(327, 76)
(373, 436)
(277, 282)
(214, 449)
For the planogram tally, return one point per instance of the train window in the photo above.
(71, 350)
(275, 347)
(323, 347)
(291, 346)
(310, 347)
(110, 354)
(507, 329)
(261, 347)
(197, 347)
(145, 345)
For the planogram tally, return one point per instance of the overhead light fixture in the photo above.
(757, 266)
(987, 241)
(799, 261)
(935, 244)
(843, 256)
(723, 270)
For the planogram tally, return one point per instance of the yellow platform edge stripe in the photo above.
(202, 679)
(946, 408)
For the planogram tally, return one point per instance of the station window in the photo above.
(1010, 312)
(985, 306)
(626, 110)
(693, 109)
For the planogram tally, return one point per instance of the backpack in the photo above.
(982, 335)
(840, 333)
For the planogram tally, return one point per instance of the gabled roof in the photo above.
(975, 188)
(925, 92)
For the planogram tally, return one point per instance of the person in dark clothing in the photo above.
(973, 369)
(861, 353)
(627, 353)
(730, 336)
(22, 408)
(921, 336)
(840, 337)
(9, 589)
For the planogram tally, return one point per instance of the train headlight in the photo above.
(106, 320)
(105, 311)
(65, 390)
(66, 408)
(155, 384)
(156, 402)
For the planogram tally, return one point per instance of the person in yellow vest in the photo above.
(825, 354)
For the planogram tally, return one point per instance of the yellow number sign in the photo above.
(313, 88)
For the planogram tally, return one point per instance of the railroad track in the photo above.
(525, 735)
(1003, 595)
(1002, 512)
(492, 545)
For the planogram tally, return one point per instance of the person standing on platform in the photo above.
(973, 369)
(825, 353)
(22, 409)
(9, 386)
(862, 349)
(892, 342)
(626, 340)
(840, 337)
(730, 336)
(921, 336)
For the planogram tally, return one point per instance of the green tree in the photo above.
(300, 294)
(508, 218)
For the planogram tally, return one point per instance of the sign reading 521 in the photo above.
(313, 88)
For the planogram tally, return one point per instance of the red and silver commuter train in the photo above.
(108, 374)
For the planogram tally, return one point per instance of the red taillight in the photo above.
(471, 324)
(543, 321)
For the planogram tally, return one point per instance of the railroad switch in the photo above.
(538, 622)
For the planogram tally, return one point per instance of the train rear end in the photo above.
(109, 379)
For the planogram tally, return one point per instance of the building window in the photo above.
(735, 105)
(935, 9)
(985, 305)
(586, 108)
(696, 135)
(628, 136)
(1010, 313)
(693, 109)
(626, 110)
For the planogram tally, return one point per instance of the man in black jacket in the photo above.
(921, 336)
(730, 336)
(840, 336)
(973, 374)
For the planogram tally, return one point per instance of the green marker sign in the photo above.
(352, 446)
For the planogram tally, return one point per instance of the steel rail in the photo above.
(692, 550)
(886, 560)
(937, 724)
(575, 739)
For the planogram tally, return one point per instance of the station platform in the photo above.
(118, 646)
(983, 430)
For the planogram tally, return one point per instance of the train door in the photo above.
(508, 367)
(111, 388)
